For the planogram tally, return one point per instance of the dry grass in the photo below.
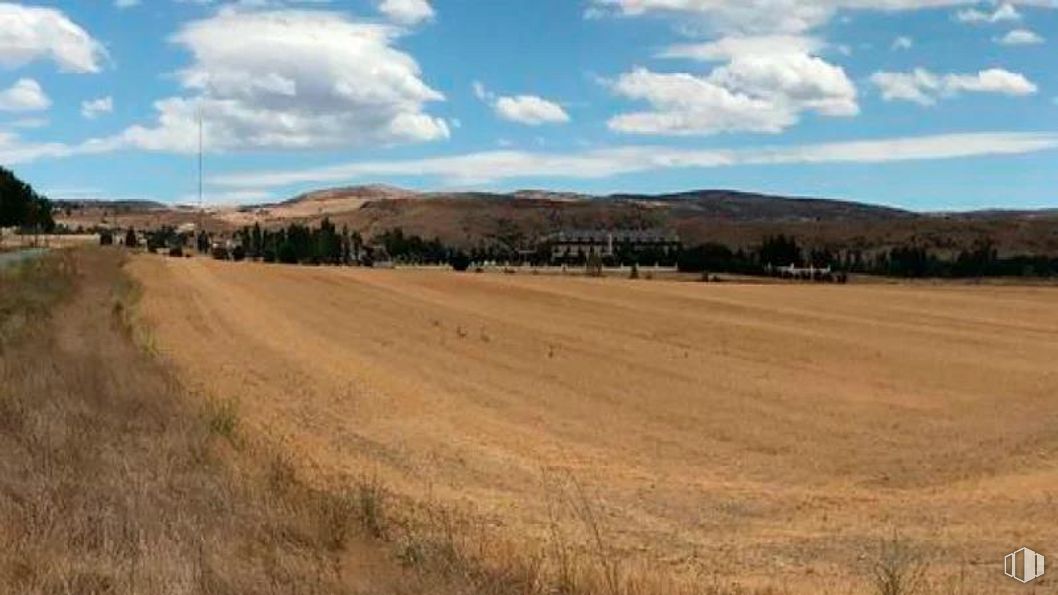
(112, 481)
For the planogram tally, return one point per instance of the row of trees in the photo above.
(909, 261)
(301, 244)
(22, 207)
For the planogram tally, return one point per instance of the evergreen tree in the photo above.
(21, 206)
(780, 251)
(256, 247)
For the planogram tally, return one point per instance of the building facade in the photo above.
(615, 245)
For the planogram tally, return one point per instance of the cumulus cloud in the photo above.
(26, 95)
(684, 104)
(1003, 13)
(94, 108)
(494, 166)
(925, 88)
(765, 91)
(30, 33)
(291, 79)
(530, 110)
(407, 12)
(1020, 37)
(768, 75)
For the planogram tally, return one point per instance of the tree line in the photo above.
(328, 245)
(911, 260)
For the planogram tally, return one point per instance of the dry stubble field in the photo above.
(752, 434)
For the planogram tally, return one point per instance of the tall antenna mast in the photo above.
(200, 205)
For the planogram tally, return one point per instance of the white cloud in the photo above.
(754, 92)
(126, 3)
(756, 17)
(407, 12)
(530, 110)
(291, 79)
(1003, 13)
(728, 48)
(765, 84)
(993, 80)
(684, 104)
(493, 166)
(29, 33)
(925, 88)
(26, 95)
(1020, 37)
(902, 43)
(95, 107)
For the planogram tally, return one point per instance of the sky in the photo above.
(921, 104)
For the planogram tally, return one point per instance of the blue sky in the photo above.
(926, 104)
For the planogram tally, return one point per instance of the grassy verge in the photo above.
(112, 481)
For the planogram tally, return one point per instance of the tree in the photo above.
(130, 238)
(459, 261)
(287, 253)
(780, 251)
(358, 245)
(21, 206)
(256, 241)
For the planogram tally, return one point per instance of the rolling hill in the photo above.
(738, 219)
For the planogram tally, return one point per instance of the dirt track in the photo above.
(771, 434)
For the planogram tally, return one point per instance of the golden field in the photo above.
(764, 436)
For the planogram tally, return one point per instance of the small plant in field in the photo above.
(898, 568)
(222, 417)
(370, 507)
(337, 512)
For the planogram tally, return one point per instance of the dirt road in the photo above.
(765, 434)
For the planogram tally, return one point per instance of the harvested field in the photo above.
(770, 436)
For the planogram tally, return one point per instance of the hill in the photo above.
(738, 219)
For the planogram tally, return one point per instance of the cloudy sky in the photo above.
(927, 104)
